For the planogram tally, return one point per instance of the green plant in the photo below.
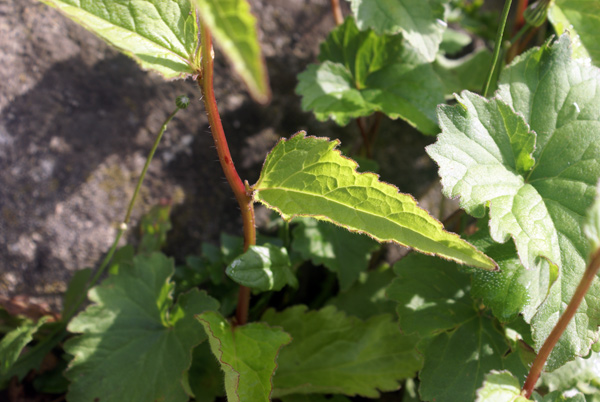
(474, 322)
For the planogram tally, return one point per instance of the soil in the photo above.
(77, 120)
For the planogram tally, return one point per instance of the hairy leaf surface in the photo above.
(247, 355)
(532, 155)
(421, 22)
(361, 73)
(335, 353)
(343, 252)
(263, 268)
(161, 35)
(234, 29)
(133, 332)
(581, 20)
(306, 176)
(500, 386)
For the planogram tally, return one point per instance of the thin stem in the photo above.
(497, 46)
(123, 226)
(540, 360)
(337, 12)
(241, 191)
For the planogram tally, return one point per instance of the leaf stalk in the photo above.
(243, 197)
(541, 358)
(497, 47)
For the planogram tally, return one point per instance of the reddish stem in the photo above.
(337, 12)
(540, 360)
(242, 195)
(365, 136)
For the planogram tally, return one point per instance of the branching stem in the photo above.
(540, 360)
(242, 194)
(497, 47)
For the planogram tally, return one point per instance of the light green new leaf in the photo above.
(456, 362)
(361, 73)
(345, 253)
(581, 20)
(132, 333)
(432, 295)
(247, 355)
(421, 22)
(500, 386)
(13, 342)
(263, 268)
(307, 176)
(161, 35)
(335, 353)
(533, 155)
(234, 29)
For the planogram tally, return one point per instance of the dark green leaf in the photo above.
(76, 289)
(335, 353)
(205, 375)
(133, 333)
(366, 297)
(153, 229)
(343, 252)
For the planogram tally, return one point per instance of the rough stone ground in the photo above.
(77, 120)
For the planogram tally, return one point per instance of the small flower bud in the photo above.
(182, 101)
(536, 13)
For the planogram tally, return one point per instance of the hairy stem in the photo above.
(240, 190)
(540, 360)
(337, 12)
(497, 46)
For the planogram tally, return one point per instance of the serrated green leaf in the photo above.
(345, 253)
(422, 22)
(432, 295)
(500, 386)
(557, 101)
(512, 290)
(335, 353)
(161, 35)
(366, 297)
(13, 343)
(581, 20)
(307, 176)
(468, 72)
(456, 362)
(247, 355)
(133, 332)
(263, 268)
(558, 396)
(234, 29)
(361, 73)
(581, 374)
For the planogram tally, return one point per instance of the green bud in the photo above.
(536, 13)
(182, 101)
